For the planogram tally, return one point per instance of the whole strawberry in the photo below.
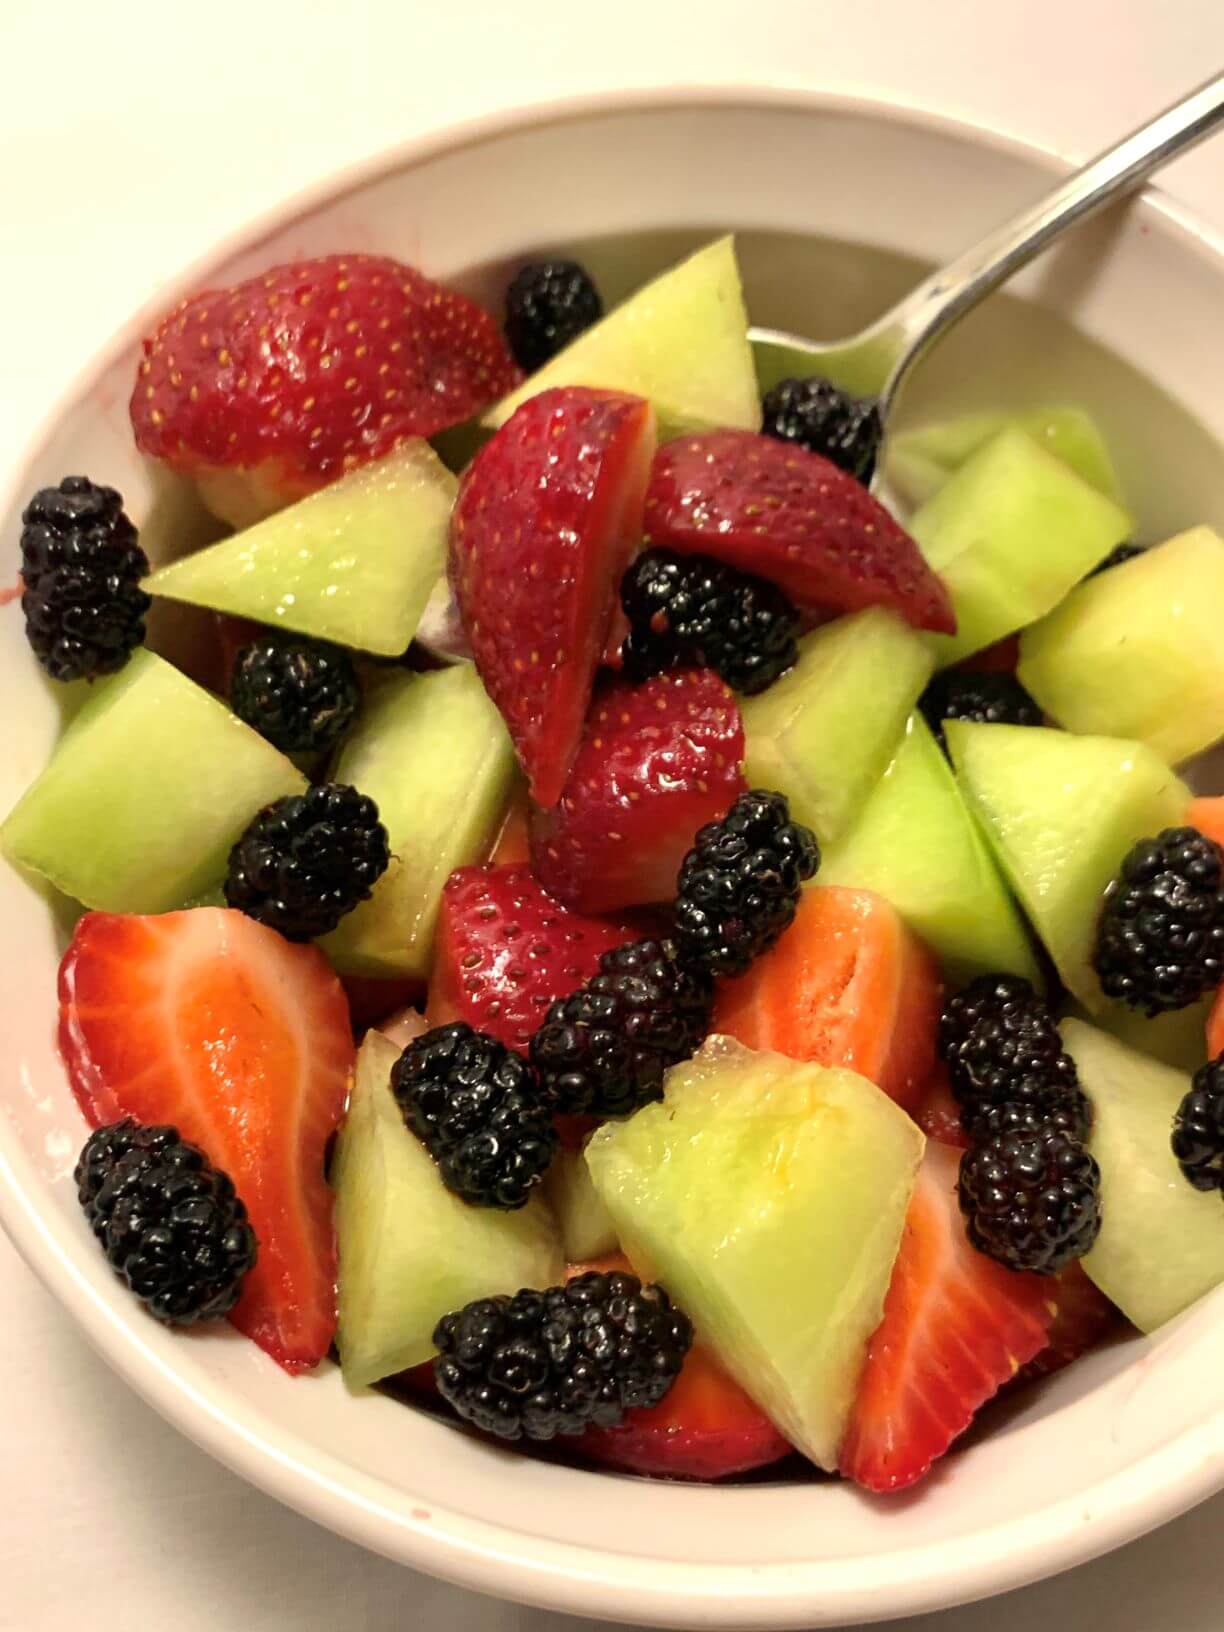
(273, 387)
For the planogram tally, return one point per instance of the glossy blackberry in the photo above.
(1118, 556)
(478, 1109)
(604, 1049)
(818, 416)
(1031, 1201)
(690, 609)
(548, 304)
(1198, 1129)
(989, 699)
(739, 885)
(307, 859)
(546, 1363)
(1031, 1112)
(81, 568)
(1160, 939)
(300, 694)
(168, 1220)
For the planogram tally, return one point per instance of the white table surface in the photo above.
(133, 134)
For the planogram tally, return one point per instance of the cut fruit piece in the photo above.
(1177, 1038)
(1208, 816)
(1136, 651)
(938, 1114)
(586, 1226)
(410, 1250)
(215, 1024)
(431, 752)
(681, 342)
(768, 1197)
(1161, 1244)
(146, 793)
(1215, 1028)
(919, 462)
(1083, 1316)
(916, 844)
(824, 733)
(1060, 813)
(1010, 534)
(354, 563)
(956, 1327)
(513, 848)
(847, 985)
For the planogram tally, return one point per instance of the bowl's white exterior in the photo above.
(1116, 1446)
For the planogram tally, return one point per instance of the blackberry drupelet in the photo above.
(818, 416)
(988, 699)
(1032, 1111)
(739, 885)
(548, 304)
(546, 1363)
(603, 1050)
(301, 695)
(1160, 939)
(478, 1109)
(306, 860)
(690, 609)
(1198, 1129)
(1118, 556)
(1031, 1201)
(168, 1220)
(81, 568)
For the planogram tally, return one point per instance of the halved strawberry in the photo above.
(506, 950)
(656, 762)
(774, 509)
(1001, 658)
(212, 1022)
(268, 389)
(938, 1114)
(1082, 1317)
(512, 848)
(956, 1327)
(371, 999)
(548, 514)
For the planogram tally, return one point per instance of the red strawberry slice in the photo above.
(788, 515)
(1001, 658)
(938, 1114)
(956, 1327)
(656, 762)
(506, 950)
(548, 514)
(208, 1020)
(270, 388)
(1082, 1317)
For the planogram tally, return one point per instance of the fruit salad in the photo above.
(620, 935)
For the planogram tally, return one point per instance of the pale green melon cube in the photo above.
(586, 1226)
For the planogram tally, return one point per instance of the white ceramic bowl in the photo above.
(837, 203)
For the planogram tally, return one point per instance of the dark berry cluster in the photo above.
(1160, 938)
(300, 694)
(1198, 1129)
(819, 416)
(1031, 1199)
(987, 699)
(548, 304)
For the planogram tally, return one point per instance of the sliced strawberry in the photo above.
(956, 1327)
(506, 950)
(1001, 658)
(512, 848)
(1082, 1317)
(1208, 816)
(938, 1114)
(1215, 1028)
(775, 509)
(548, 514)
(371, 999)
(656, 762)
(270, 388)
(208, 1020)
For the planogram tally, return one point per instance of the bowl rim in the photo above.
(498, 1559)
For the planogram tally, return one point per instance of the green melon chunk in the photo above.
(823, 735)
(433, 754)
(354, 563)
(1010, 534)
(681, 342)
(1178, 1038)
(1139, 650)
(916, 844)
(146, 793)
(1161, 1245)
(410, 1250)
(768, 1197)
(1060, 813)
(586, 1226)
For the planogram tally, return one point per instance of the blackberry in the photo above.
(1160, 939)
(300, 694)
(1118, 556)
(168, 1220)
(818, 416)
(546, 1363)
(604, 1048)
(81, 568)
(690, 609)
(990, 699)
(479, 1111)
(1031, 1112)
(1031, 1200)
(739, 885)
(548, 304)
(306, 860)
(1198, 1129)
